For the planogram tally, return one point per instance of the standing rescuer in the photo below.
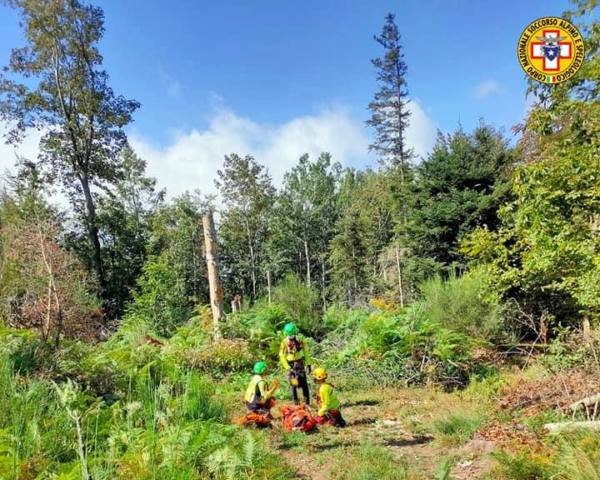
(328, 403)
(259, 397)
(295, 360)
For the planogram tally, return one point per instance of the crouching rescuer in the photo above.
(295, 360)
(259, 397)
(327, 401)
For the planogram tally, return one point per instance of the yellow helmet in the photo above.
(320, 374)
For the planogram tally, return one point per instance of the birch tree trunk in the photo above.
(398, 266)
(307, 262)
(323, 296)
(252, 260)
(212, 265)
(269, 286)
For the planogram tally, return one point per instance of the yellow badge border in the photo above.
(560, 76)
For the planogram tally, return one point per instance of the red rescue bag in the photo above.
(297, 419)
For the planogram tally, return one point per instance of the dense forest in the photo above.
(436, 274)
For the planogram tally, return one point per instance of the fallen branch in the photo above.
(585, 402)
(557, 427)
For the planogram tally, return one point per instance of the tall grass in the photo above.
(368, 462)
(457, 428)
(579, 457)
(461, 304)
(155, 419)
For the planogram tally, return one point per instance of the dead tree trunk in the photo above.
(587, 330)
(212, 265)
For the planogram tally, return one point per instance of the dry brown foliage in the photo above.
(47, 288)
(511, 435)
(552, 392)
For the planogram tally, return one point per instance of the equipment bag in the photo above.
(297, 419)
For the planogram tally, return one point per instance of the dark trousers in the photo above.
(300, 377)
(261, 408)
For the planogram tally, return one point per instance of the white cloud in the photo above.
(422, 131)
(192, 159)
(486, 88)
(10, 154)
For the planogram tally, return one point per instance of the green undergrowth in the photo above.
(457, 428)
(127, 408)
(144, 406)
(366, 462)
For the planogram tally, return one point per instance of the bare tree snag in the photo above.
(587, 330)
(212, 265)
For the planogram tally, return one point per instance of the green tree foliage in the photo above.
(348, 247)
(67, 96)
(174, 278)
(547, 253)
(177, 233)
(390, 117)
(363, 232)
(305, 216)
(389, 109)
(160, 300)
(248, 194)
(375, 199)
(462, 304)
(458, 188)
(125, 217)
(299, 302)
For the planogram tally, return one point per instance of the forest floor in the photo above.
(396, 421)
(425, 433)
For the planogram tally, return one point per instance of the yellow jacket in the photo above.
(258, 390)
(327, 399)
(287, 356)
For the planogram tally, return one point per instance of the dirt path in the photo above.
(391, 419)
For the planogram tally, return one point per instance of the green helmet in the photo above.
(290, 329)
(260, 367)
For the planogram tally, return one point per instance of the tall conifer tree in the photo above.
(390, 117)
(390, 114)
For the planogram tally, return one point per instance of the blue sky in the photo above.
(270, 76)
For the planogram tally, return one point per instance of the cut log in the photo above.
(558, 427)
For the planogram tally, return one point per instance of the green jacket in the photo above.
(289, 354)
(258, 391)
(327, 399)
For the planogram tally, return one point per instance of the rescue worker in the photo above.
(259, 397)
(295, 360)
(327, 401)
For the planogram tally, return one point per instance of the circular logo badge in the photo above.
(551, 50)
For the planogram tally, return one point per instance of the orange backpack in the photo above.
(297, 419)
